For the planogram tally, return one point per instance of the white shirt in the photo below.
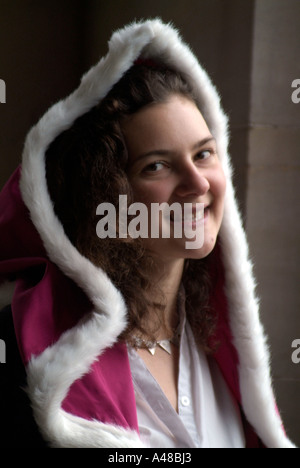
(208, 416)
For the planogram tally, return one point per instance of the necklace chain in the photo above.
(152, 345)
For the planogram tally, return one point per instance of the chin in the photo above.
(176, 249)
(202, 252)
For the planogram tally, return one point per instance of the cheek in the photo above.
(148, 193)
(218, 186)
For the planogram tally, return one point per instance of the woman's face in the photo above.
(173, 159)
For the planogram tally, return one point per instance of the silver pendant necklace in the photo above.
(151, 346)
(163, 344)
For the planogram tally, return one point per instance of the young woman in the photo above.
(133, 340)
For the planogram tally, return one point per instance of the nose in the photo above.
(192, 181)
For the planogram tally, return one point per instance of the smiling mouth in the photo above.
(192, 216)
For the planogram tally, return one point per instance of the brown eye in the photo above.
(204, 154)
(154, 167)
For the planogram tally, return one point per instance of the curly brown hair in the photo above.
(86, 165)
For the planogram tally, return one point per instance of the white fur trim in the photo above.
(249, 338)
(157, 40)
(51, 374)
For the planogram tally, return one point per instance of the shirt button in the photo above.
(185, 401)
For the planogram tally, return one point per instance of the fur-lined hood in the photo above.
(63, 355)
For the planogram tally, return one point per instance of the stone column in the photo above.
(273, 190)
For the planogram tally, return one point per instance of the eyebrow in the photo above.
(164, 152)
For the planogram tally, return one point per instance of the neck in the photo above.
(167, 278)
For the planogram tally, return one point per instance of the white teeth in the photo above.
(190, 217)
(187, 215)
